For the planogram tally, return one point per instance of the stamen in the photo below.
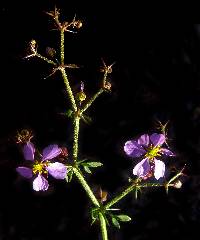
(153, 152)
(39, 167)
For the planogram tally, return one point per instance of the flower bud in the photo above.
(81, 96)
(107, 86)
(177, 184)
(77, 24)
(33, 46)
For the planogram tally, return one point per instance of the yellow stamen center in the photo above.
(39, 167)
(153, 152)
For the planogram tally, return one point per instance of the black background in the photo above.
(156, 76)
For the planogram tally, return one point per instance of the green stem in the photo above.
(130, 189)
(86, 187)
(103, 227)
(68, 88)
(76, 134)
(76, 171)
(62, 47)
(105, 78)
(89, 103)
(120, 196)
(93, 200)
(45, 59)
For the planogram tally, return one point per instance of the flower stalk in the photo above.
(104, 233)
(45, 59)
(85, 185)
(76, 135)
(92, 99)
(68, 88)
(120, 196)
(62, 46)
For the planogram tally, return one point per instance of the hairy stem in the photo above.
(89, 103)
(104, 233)
(68, 88)
(130, 189)
(93, 200)
(86, 187)
(45, 59)
(76, 123)
(120, 196)
(62, 47)
(82, 180)
(76, 135)
(105, 78)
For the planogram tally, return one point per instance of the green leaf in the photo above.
(106, 220)
(81, 161)
(94, 216)
(69, 113)
(123, 218)
(87, 169)
(69, 176)
(115, 222)
(94, 164)
(93, 220)
(94, 212)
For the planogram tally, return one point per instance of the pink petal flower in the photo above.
(29, 151)
(133, 149)
(159, 170)
(157, 139)
(25, 172)
(142, 168)
(50, 152)
(167, 152)
(143, 140)
(57, 170)
(40, 183)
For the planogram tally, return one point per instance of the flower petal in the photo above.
(142, 168)
(167, 152)
(29, 151)
(50, 152)
(157, 139)
(40, 183)
(133, 149)
(57, 170)
(159, 170)
(25, 172)
(143, 140)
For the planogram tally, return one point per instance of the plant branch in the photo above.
(76, 135)
(103, 227)
(130, 189)
(89, 103)
(86, 187)
(62, 46)
(68, 88)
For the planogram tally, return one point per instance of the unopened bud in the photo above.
(177, 184)
(77, 24)
(33, 47)
(107, 86)
(81, 96)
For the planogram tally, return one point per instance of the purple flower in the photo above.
(42, 167)
(150, 148)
